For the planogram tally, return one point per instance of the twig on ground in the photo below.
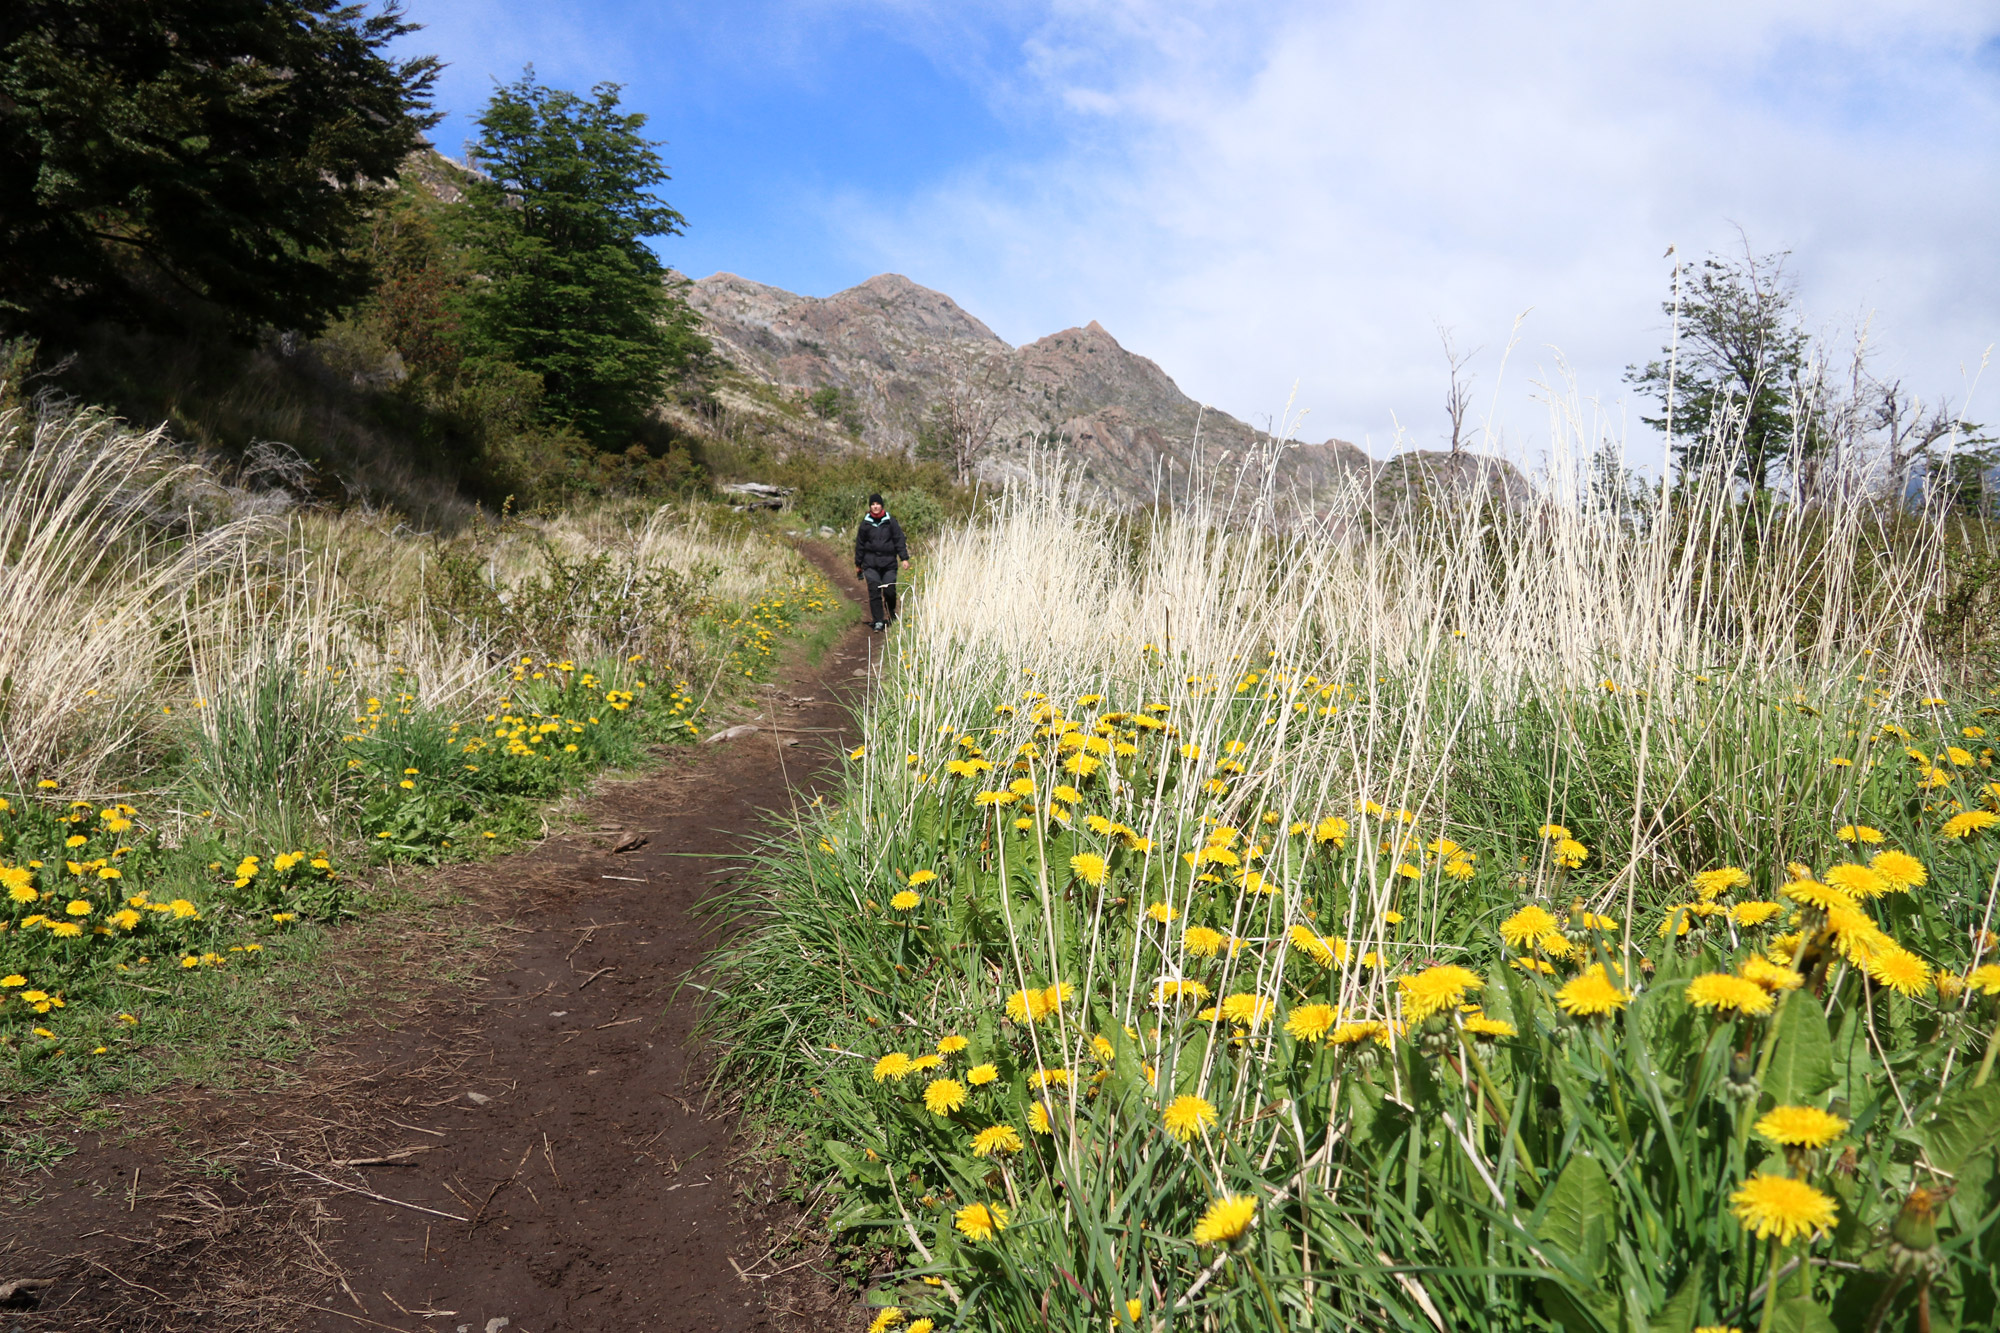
(371, 1194)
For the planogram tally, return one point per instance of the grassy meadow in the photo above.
(228, 720)
(1462, 920)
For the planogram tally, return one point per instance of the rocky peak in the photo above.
(897, 350)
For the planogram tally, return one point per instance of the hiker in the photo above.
(878, 547)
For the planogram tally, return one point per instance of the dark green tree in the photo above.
(154, 152)
(557, 229)
(1738, 390)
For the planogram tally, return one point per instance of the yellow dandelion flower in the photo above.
(1591, 994)
(1090, 868)
(1969, 823)
(1812, 893)
(887, 1319)
(943, 1096)
(1249, 1010)
(1571, 853)
(905, 901)
(980, 1221)
(1170, 988)
(1226, 1219)
(1309, 942)
(1203, 942)
(1856, 881)
(996, 1138)
(1038, 1119)
(1899, 970)
(1710, 883)
(1801, 1127)
(1899, 870)
(951, 1045)
(980, 1075)
(920, 878)
(1725, 990)
(1436, 989)
(1771, 976)
(1161, 912)
(1528, 926)
(1310, 1022)
(1782, 1207)
(893, 1065)
(1750, 915)
(1187, 1116)
(1553, 832)
(1480, 1025)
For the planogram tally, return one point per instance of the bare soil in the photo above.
(535, 1151)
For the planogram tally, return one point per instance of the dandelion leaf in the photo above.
(1966, 1124)
(1575, 1314)
(1800, 1314)
(1802, 1061)
(1678, 1314)
(1577, 1214)
(853, 1164)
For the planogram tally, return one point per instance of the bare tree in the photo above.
(1458, 399)
(1908, 431)
(958, 427)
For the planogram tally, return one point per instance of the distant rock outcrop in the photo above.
(898, 353)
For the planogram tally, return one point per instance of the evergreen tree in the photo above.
(1738, 391)
(153, 151)
(557, 230)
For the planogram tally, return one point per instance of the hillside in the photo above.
(897, 352)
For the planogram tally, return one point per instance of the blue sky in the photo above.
(1282, 202)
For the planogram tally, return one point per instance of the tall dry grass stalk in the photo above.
(1409, 632)
(90, 563)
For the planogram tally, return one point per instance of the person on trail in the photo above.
(878, 549)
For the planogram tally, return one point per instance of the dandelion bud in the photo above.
(1913, 1239)
(1741, 1082)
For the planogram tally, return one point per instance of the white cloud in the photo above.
(1257, 196)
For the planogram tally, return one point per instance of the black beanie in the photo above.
(878, 500)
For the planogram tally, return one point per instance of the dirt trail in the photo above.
(534, 1149)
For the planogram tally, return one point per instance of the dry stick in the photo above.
(549, 1155)
(126, 1280)
(132, 1200)
(594, 976)
(351, 1189)
(501, 1186)
(355, 1317)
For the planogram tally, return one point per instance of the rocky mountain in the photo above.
(888, 365)
(908, 362)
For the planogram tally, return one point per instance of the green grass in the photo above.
(1423, 1115)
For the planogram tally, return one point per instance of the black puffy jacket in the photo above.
(878, 543)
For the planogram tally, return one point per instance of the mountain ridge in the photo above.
(903, 358)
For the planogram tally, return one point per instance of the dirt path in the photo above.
(530, 1154)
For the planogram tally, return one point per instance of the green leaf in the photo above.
(1576, 1314)
(1802, 1062)
(854, 1164)
(1800, 1314)
(1967, 1123)
(1678, 1314)
(1576, 1214)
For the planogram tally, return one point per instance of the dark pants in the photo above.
(881, 592)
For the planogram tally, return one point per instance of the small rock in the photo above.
(477, 1098)
(732, 733)
(631, 842)
(495, 1325)
(559, 1013)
